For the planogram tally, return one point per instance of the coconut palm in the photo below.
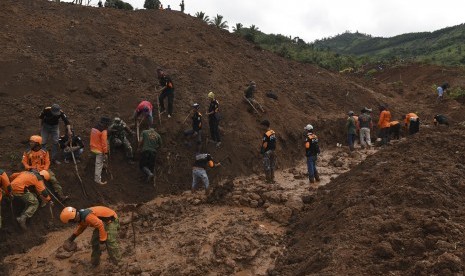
(219, 23)
(237, 28)
(201, 15)
(253, 28)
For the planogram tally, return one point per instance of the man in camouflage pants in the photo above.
(117, 132)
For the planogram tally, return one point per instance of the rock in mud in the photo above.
(134, 269)
(295, 203)
(448, 261)
(281, 214)
(384, 250)
(63, 254)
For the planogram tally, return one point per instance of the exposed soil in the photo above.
(399, 212)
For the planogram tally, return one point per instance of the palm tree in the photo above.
(253, 28)
(237, 28)
(201, 15)
(219, 23)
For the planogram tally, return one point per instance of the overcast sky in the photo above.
(315, 19)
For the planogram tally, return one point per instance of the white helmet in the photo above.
(308, 127)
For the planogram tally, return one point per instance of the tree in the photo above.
(118, 4)
(152, 4)
(219, 23)
(201, 15)
(253, 28)
(237, 28)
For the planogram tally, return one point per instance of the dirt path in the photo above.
(238, 230)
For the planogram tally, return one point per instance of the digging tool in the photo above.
(256, 111)
(12, 211)
(158, 108)
(138, 123)
(77, 172)
(133, 230)
(261, 107)
(61, 203)
(106, 166)
(186, 118)
(51, 211)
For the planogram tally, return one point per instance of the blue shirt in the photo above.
(440, 91)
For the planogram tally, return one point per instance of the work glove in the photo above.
(51, 203)
(102, 246)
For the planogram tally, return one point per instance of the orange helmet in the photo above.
(36, 138)
(68, 214)
(45, 174)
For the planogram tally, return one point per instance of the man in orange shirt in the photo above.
(99, 146)
(20, 185)
(383, 124)
(37, 158)
(106, 225)
(4, 184)
(411, 123)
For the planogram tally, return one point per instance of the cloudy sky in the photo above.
(315, 19)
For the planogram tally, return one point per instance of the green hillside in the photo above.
(443, 47)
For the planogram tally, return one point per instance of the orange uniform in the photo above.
(21, 181)
(4, 183)
(98, 141)
(384, 119)
(408, 117)
(37, 160)
(96, 217)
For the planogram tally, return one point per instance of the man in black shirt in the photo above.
(167, 90)
(214, 119)
(268, 150)
(76, 147)
(199, 173)
(440, 119)
(196, 131)
(312, 150)
(49, 118)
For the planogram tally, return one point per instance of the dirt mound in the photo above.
(398, 212)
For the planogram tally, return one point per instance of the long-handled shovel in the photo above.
(256, 111)
(77, 172)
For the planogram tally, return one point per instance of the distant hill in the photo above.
(443, 47)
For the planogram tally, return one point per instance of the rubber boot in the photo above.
(22, 221)
(317, 178)
(148, 173)
(312, 180)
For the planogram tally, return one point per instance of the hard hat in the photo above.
(211, 95)
(45, 174)
(36, 138)
(196, 105)
(68, 214)
(308, 127)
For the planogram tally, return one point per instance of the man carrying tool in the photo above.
(105, 236)
(167, 90)
(312, 150)
(249, 96)
(37, 159)
(214, 119)
(149, 145)
(268, 150)
(196, 131)
(4, 184)
(49, 118)
(351, 127)
(145, 109)
(199, 173)
(74, 145)
(394, 130)
(117, 132)
(411, 123)
(99, 146)
(365, 124)
(440, 119)
(383, 124)
(19, 187)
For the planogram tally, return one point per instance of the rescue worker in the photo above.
(20, 185)
(99, 146)
(440, 119)
(4, 184)
(144, 108)
(365, 125)
(441, 90)
(351, 126)
(383, 124)
(182, 6)
(117, 135)
(49, 118)
(249, 94)
(268, 150)
(149, 146)
(105, 236)
(312, 150)
(76, 147)
(167, 90)
(38, 159)
(411, 123)
(394, 130)
(196, 131)
(199, 173)
(214, 119)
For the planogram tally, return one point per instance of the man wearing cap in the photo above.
(99, 146)
(312, 150)
(167, 90)
(214, 118)
(49, 118)
(196, 131)
(149, 146)
(365, 124)
(268, 150)
(351, 126)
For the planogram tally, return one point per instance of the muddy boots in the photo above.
(148, 173)
(317, 177)
(22, 221)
